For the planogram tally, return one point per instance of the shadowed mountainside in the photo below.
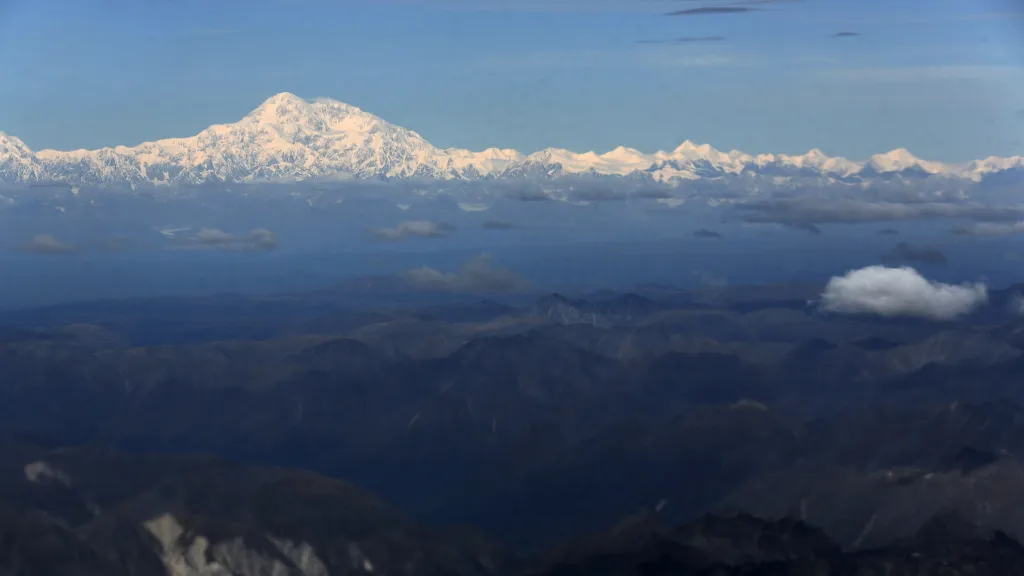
(576, 410)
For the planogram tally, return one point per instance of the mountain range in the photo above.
(352, 430)
(577, 409)
(288, 138)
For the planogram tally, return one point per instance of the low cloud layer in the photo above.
(478, 274)
(892, 292)
(410, 228)
(991, 229)
(46, 244)
(846, 35)
(909, 253)
(597, 194)
(1016, 305)
(705, 233)
(259, 239)
(115, 244)
(889, 232)
(498, 225)
(581, 189)
(527, 193)
(710, 280)
(818, 210)
(618, 192)
(803, 227)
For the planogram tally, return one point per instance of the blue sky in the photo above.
(944, 78)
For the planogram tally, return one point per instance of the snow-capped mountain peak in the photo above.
(902, 159)
(288, 137)
(690, 150)
(11, 145)
(285, 108)
(17, 162)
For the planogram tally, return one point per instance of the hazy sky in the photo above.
(944, 78)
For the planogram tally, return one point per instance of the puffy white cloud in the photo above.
(900, 291)
(46, 244)
(259, 239)
(421, 228)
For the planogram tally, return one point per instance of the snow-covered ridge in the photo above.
(288, 138)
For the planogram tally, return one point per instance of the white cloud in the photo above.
(421, 228)
(46, 244)
(471, 207)
(900, 291)
(259, 239)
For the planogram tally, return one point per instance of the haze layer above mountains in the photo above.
(288, 138)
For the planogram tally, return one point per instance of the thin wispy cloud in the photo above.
(652, 193)
(909, 253)
(571, 6)
(709, 279)
(684, 40)
(762, 2)
(709, 10)
(994, 16)
(498, 225)
(803, 227)
(527, 194)
(705, 233)
(845, 35)
(597, 194)
(116, 244)
(478, 274)
(991, 229)
(608, 193)
(802, 211)
(922, 17)
(676, 60)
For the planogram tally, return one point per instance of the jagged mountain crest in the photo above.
(290, 138)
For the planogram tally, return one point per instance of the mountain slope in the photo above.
(288, 138)
(93, 511)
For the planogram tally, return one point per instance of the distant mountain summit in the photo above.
(289, 138)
